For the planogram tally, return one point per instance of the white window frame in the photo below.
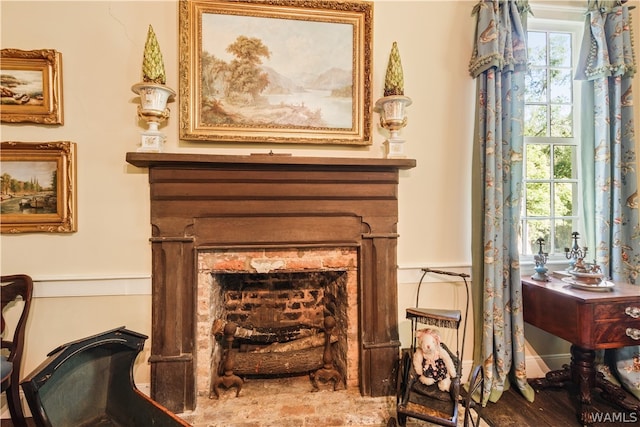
(570, 19)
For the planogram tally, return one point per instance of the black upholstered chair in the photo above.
(90, 382)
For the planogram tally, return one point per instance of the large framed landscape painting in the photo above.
(31, 86)
(37, 187)
(275, 71)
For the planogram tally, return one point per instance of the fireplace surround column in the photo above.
(200, 202)
(172, 337)
(380, 341)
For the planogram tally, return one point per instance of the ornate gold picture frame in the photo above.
(31, 85)
(38, 187)
(276, 71)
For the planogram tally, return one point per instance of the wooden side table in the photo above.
(590, 321)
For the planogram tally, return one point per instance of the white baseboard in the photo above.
(145, 388)
(537, 366)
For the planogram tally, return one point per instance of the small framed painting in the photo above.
(31, 86)
(275, 71)
(38, 187)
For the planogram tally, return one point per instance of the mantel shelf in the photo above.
(206, 160)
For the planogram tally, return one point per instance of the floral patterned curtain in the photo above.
(498, 64)
(607, 64)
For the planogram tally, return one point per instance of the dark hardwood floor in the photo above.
(553, 407)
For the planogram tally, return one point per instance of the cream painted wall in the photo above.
(102, 44)
(102, 52)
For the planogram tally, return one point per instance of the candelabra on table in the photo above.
(575, 253)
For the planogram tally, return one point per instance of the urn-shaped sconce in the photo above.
(154, 95)
(392, 106)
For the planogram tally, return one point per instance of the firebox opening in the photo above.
(280, 321)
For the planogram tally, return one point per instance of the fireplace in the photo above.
(206, 205)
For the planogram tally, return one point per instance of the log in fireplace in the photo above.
(219, 202)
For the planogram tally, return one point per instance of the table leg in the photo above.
(583, 373)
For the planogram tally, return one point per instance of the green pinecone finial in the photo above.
(394, 79)
(152, 64)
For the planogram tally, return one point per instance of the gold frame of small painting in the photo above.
(31, 85)
(38, 187)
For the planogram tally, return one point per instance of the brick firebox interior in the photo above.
(278, 289)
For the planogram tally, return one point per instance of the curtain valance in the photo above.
(609, 49)
(500, 36)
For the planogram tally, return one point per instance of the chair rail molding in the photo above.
(91, 286)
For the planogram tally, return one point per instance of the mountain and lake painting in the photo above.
(276, 73)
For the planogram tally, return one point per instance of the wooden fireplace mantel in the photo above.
(203, 201)
(276, 160)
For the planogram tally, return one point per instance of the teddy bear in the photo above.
(432, 363)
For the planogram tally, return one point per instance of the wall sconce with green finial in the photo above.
(392, 106)
(154, 95)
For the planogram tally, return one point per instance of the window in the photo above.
(551, 196)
